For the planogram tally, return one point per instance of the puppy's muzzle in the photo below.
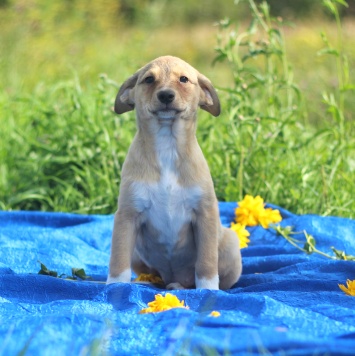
(166, 96)
(167, 112)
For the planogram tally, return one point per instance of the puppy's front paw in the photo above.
(207, 283)
(176, 285)
(124, 277)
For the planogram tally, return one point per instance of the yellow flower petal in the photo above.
(242, 234)
(162, 303)
(251, 212)
(246, 217)
(148, 277)
(215, 314)
(249, 209)
(269, 216)
(350, 289)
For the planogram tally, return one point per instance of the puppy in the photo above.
(167, 221)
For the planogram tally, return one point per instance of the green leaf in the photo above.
(252, 27)
(310, 245)
(284, 231)
(296, 194)
(308, 248)
(330, 6)
(348, 87)
(220, 58)
(46, 272)
(310, 239)
(265, 9)
(340, 255)
(329, 50)
(342, 2)
(225, 23)
(79, 272)
(276, 32)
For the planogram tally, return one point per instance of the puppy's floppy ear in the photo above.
(124, 101)
(208, 96)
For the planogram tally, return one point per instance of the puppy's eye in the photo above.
(149, 80)
(184, 79)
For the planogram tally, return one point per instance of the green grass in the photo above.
(286, 131)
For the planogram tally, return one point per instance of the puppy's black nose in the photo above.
(166, 96)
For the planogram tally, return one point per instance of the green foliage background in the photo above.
(287, 127)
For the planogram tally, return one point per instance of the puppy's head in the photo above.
(165, 89)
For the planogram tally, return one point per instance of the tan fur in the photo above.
(201, 250)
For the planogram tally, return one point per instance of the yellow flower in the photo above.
(242, 234)
(162, 303)
(350, 289)
(269, 216)
(147, 277)
(215, 314)
(251, 212)
(248, 210)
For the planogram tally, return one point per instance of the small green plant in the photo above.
(309, 243)
(268, 146)
(264, 102)
(72, 158)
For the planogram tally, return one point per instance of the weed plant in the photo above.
(67, 155)
(267, 147)
(62, 147)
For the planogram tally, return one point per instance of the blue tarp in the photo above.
(286, 302)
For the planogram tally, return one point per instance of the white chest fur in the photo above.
(165, 204)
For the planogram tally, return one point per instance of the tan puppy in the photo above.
(167, 221)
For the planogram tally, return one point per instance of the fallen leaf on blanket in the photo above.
(242, 234)
(76, 273)
(163, 303)
(47, 272)
(79, 272)
(350, 289)
(148, 277)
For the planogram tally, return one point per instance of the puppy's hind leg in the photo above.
(138, 266)
(229, 259)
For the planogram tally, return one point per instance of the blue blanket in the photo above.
(286, 302)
